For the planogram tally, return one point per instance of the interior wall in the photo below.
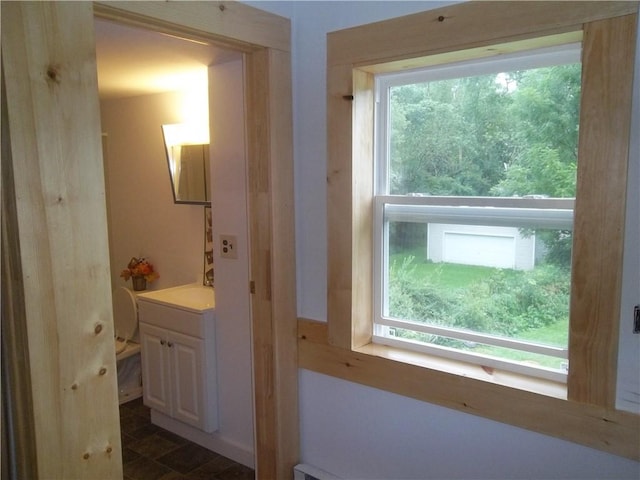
(143, 220)
(358, 432)
(229, 212)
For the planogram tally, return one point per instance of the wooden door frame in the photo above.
(264, 39)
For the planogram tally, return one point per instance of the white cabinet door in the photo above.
(187, 359)
(155, 368)
(178, 364)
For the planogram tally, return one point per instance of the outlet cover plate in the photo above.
(228, 247)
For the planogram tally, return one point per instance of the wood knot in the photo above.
(53, 73)
(222, 7)
(303, 337)
(102, 371)
(347, 364)
(109, 449)
(74, 386)
(348, 97)
(441, 18)
(98, 329)
(86, 456)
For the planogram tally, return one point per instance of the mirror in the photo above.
(189, 169)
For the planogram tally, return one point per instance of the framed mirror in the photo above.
(189, 166)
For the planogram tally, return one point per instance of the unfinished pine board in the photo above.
(56, 154)
(340, 172)
(464, 26)
(603, 154)
(265, 399)
(235, 24)
(283, 270)
(273, 262)
(362, 268)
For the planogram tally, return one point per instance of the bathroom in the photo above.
(145, 222)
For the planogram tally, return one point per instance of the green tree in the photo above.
(545, 108)
(510, 134)
(448, 137)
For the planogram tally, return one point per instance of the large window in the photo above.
(476, 179)
(474, 217)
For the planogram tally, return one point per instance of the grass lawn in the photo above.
(449, 275)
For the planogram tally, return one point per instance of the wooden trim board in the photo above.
(54, 121)
(603, 153)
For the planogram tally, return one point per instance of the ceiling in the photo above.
(134, 61)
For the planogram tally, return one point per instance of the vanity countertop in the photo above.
(193, 297)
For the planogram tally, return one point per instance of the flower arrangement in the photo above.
(139, 267)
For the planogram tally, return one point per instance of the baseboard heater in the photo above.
(303, 471)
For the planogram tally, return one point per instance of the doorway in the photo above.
(269, 185)
(205, 93)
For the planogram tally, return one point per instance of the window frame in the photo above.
(354, 55)
(522, 212)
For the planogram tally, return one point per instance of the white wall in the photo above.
(356, 432)
(229, 209)
(359, 432)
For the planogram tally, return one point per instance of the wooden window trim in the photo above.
(352, 55)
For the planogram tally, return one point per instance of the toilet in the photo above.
(127, 346)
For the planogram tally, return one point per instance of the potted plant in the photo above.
(140, 271)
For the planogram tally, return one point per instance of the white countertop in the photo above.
(193, 297)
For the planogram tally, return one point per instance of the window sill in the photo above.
(469, 370)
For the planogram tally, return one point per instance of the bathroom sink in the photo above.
(193, 297)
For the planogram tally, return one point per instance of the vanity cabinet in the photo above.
(178, 363)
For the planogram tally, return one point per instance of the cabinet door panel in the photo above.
(155, 371)
(187, 359)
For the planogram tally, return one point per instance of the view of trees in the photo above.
(492, 135)
(510, 134)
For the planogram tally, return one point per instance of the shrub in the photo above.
(505, 303)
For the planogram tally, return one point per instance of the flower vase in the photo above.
(139, 283)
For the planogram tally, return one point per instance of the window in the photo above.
(344, 346)
(473, 209)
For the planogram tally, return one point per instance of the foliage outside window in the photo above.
(474, 279)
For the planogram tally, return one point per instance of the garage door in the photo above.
(485, 250)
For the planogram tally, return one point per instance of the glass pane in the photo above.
(505, 134)
(503, 281)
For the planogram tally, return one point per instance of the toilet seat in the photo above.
(125, 316)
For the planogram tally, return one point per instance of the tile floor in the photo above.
(152, 453)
